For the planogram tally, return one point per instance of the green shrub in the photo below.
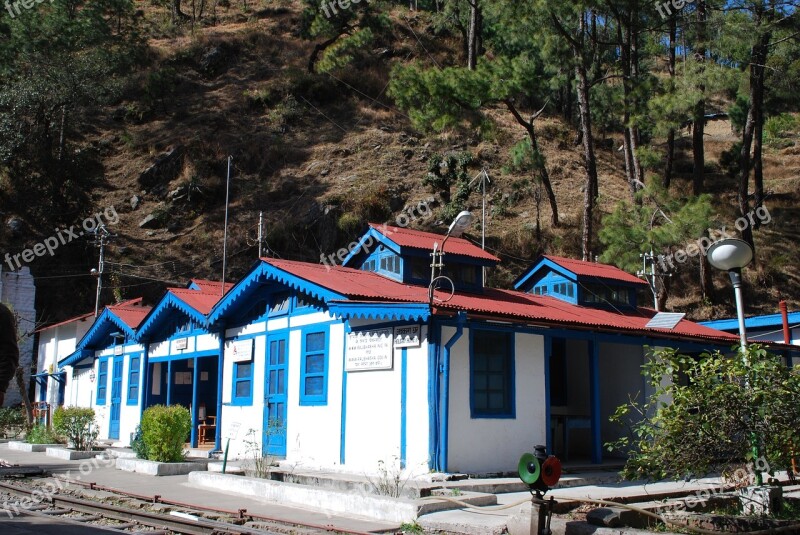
(164, 431)
(40, 434)
(77, 426)
(12, 421)
(137, 444)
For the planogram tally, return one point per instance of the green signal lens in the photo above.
(529, 469)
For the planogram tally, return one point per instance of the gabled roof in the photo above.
(753, 322)
(131, 313)
(417, 239)
(196, 302)
(125, 316)
(578, 269)
(209, 286)
(82, 317)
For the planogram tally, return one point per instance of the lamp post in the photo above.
(457, 228)
(732, 255)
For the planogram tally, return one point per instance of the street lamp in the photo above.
(457, 228)
(732, 255)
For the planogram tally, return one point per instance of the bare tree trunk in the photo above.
(23, 392)
(699, 113)
(474, 37)
(590, 195)
(670, 163)
(758, 58)
(541, 165)
(584, 108)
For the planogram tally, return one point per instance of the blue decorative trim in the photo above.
(99, 330)
(220, 386)
(102, 380)
(511, 412)
(168, 305)
(381, 311)
(186, 356)
(594, 382)
(343, 431)
(433, 393)
(403, 406)
(753, 322)
(195, 408)
(376, 238)
(242, 401)
(134, 399)
(314, 399)
(262, 272)
(445, 415)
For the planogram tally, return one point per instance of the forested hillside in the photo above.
(607, 129)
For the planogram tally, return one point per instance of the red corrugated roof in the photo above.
(416, 239)
(594, 269)
(131, 312)
(209, 286)
(82, 317)
(500, 304)
(201, 301)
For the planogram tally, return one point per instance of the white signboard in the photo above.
(233, 431)
(240, 351)
(181, 344)
(369, 350)
(117, 350)
(407, 336)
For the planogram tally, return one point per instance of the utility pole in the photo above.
(225, 237)
(483, 176)
(260, 233)
(648, 273)
(101, 236)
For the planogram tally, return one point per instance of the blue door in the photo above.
(275, 397)
(116, 398)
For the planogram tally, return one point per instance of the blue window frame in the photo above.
(102, 381)
(133, 380)
(242, 383)
(492, 374)
(314, 369)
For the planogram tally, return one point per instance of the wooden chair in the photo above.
(206, 432)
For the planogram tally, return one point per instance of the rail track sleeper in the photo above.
(54, 512)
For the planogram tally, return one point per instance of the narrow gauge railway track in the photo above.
(130, 520)
(256, 524)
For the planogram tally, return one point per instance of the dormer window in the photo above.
(404, 255)
(391, 263)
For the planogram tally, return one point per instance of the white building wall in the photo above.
(248, 420)
(372, 422)
(55, 344)
(313, 431)
(418, 407)
(495, 445)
